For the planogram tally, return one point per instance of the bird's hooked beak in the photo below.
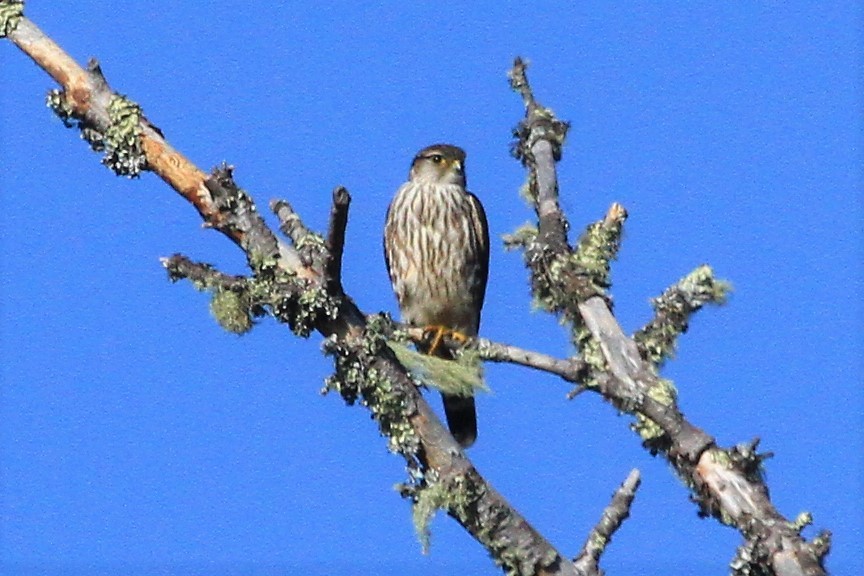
(456, 173)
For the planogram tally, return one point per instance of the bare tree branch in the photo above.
(336, 236)
(571, 369)
(726, 484)
(613, 516)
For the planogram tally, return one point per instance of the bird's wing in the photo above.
(481, 231)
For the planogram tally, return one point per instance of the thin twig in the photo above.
(290, 223)
(519, 82)
(202, 274)
(570, 369)
(336, 236)
(613, 516)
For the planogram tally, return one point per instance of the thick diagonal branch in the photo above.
(86, 98)
(725, 482)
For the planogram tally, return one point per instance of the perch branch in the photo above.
(571, 369)
(433, 456)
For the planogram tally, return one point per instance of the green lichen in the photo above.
(231, 310)
(265, 265)
(664, 392)
(458, 496)
(311, 243)
(596, 249)
(124, 153)
(673, 310)
(528, 190)
(426, 503)
(313, 304)
(301, 304)
(121, 140)
(522, 237)
(751, 559)
(10, 14)
(591, 353)
(560, 281)
(801, 521)
(821, 545)
(58, 103)
(460, 377)
(358, 378)
(597, 541)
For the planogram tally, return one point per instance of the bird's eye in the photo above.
(436, 158)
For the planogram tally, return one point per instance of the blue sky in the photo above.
(135, 433)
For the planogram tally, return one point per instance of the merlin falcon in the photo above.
(436, 244)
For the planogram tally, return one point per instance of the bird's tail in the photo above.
(461, 418)
(460, 410)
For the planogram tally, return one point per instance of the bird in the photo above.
(436, 247)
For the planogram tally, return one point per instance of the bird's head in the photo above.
(439, 164)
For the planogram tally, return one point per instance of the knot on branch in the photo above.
(10, 13)
(745, 457)
(739, 471)
(304, 297)
(310, 246)
(322, 256)
(539, 124)
(234, 214)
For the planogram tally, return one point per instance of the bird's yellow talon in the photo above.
(458, 336)
(437, 335)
